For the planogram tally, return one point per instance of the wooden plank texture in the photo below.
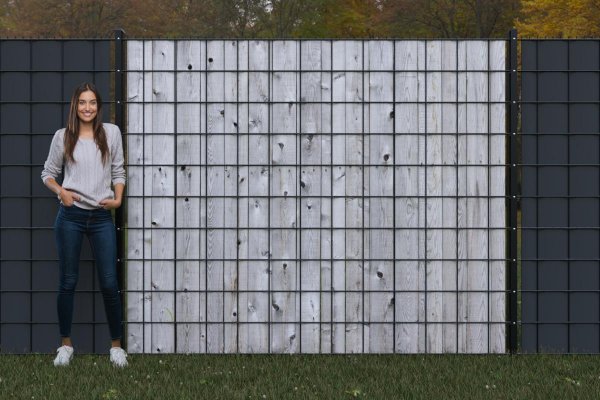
(215, 191)
(255, 277)
(135, 201)
(449, 193)
(189, 273)
(497, 185)
(310, 191)
(409, 155)
(379, 276)
(162, 203)
(316, 196)
(284, 205)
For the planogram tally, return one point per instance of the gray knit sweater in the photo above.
(87, 176)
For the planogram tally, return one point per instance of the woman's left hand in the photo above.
(109, 204)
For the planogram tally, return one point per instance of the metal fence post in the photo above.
(119, 112)
(513, 106)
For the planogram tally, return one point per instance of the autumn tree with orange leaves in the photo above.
(559, 18)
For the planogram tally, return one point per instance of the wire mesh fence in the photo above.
(316, 196)
(319, 196)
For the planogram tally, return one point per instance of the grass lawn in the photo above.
(302, 377)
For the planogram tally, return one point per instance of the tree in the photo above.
(281, 18)
(343, 18)
(560, 18)
(450, 18)
(287, 18)
(63, 18)
(241, 17)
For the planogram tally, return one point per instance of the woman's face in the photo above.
(87, 106)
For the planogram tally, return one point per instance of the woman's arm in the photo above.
(108, 204)
(53, 168)
(117, 172)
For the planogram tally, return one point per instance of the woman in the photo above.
(92, 155)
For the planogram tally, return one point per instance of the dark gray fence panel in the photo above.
(36, 81)
(560, 203)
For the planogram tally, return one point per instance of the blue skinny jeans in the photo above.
(70, 226)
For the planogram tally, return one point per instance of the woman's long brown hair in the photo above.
(72, 129)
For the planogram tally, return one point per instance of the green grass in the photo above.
(302, 377)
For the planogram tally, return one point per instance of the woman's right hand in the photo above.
(67, 197)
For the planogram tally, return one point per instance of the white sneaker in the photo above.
(118, 357)
(64, 356)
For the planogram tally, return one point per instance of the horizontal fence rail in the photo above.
(326, 196)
